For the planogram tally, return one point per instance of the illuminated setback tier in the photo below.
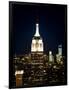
(37, 43)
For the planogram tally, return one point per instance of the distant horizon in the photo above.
(45, 52)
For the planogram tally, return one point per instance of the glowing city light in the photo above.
(19, 72)
(50, 52)
(37, 30)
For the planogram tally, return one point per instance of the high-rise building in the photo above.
(51, 59)
(37, 64)
(60, 50)
(59, 55)
(37, 42)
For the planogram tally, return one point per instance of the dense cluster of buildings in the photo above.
(38, 68)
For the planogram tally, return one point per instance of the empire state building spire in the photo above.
(37, 42)
(37, 30)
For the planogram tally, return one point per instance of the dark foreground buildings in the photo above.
(38, 68)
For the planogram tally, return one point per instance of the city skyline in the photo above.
(38, 45)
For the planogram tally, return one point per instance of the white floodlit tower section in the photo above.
(37, 43)
(37, 31)
(60, 50)
(51, 59)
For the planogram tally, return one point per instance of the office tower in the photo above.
(37, 42)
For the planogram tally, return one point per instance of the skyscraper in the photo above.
(51, 58)
(60, 50)
(59, 55)
(37, 42)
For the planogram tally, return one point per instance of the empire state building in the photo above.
(37, 42)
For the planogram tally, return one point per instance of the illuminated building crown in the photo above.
(37, 43)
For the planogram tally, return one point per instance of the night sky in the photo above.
(52, 26)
